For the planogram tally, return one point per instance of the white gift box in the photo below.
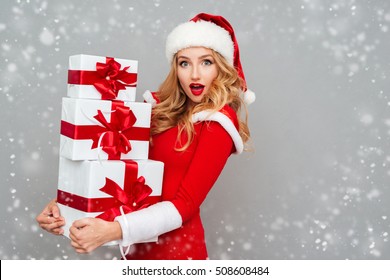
(84, 81)
(83, 137)
(83, 179)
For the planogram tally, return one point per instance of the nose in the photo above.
(195, 74)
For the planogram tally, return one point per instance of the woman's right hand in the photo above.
(50, 218)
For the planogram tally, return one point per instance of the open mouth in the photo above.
(196, 89)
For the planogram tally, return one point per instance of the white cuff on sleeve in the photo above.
(149, 222)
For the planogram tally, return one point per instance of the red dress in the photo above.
(188, 177)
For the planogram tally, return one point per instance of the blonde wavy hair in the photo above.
(173, 109)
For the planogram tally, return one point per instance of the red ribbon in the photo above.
(130, 201)
(117, 133)
(134, 196)
(108, 79)
(114, 141)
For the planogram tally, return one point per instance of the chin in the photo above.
(197, 99)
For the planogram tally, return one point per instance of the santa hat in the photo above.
(210, 31)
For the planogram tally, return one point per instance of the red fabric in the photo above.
(154, 95)
(188, 177)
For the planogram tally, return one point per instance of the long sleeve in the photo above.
(187, 182)
(214, 147)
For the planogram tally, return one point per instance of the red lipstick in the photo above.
(196, 88)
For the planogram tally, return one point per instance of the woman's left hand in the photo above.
(87, 234)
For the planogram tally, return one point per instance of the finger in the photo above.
(58, 231)
(55, 211)
(74, 231)
(52, 221)
(82, 251)
(78, 247)
(51, 226)
(43, 218)
(45, 225)
(82, 222)
(75, 234)
(47, 211)
(49, 220)
(75, 244)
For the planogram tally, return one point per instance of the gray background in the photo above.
(316, 185)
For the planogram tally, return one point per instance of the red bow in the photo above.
(111, 78)
(114, 141)
(130, 200)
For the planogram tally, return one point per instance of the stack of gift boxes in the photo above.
(104, 170)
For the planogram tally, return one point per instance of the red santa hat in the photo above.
(210, 31)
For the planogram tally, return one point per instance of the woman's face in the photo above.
(196, 71)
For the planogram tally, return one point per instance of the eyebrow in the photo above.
(200, 57)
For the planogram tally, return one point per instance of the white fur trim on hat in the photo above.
(248, 96)
(200, 34)
(225, 122)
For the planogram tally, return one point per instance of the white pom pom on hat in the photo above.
(210, 31)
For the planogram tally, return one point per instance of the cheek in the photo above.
(181, 77)
(213, 75)
(213, 71)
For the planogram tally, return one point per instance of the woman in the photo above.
(195, 128)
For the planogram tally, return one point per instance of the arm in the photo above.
(214, 147)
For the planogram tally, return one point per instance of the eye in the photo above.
(207, 62)
(183, 63)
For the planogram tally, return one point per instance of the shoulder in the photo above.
(228, 119)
